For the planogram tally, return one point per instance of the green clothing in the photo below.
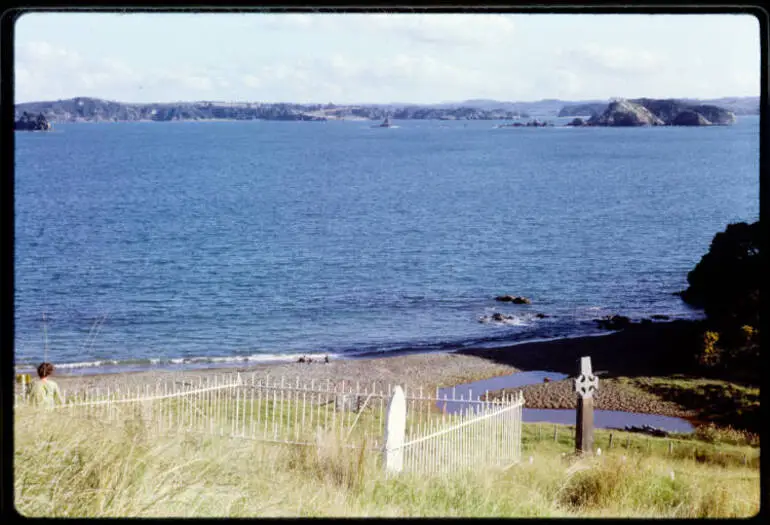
(46, 393)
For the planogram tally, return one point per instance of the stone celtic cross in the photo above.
(585, 385)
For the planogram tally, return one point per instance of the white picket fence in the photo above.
(421, 437)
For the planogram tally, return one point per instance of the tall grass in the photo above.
(85, 468)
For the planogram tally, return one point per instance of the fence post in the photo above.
(610, 445)
(585, 384)
(670, 447)
(395, 428)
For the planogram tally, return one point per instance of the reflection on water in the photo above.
(602, 418)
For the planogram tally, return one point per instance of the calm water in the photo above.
(198, 242)
(602, 418)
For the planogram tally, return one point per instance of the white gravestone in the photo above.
(395, 427)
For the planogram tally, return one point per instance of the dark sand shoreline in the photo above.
(639, 350)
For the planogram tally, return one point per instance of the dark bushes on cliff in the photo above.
(725, 283)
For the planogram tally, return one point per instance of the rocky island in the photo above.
(657, 112)
(27, 122)
(531, 124)
(737, 105)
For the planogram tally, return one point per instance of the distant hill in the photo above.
(98, 110)
(543, 108)
(81, 109)
(738, 105)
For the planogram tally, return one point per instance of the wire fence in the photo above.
(470, 434)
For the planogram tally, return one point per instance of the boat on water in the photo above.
(385, 124)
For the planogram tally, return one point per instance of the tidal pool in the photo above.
(602, 418)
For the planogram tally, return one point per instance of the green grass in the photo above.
(716, 452)
(724, 403)
(69, 467)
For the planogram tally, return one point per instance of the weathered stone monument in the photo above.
(585, 385)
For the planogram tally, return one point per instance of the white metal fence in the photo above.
(437, 434)
(484, 433)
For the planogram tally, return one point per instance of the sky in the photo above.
(348, 58)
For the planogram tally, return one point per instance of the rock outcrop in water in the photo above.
(613, 322)
(512, 299)
(577, 122)
(29, 123)
(625, 113)
(530, 124)
(659, 112)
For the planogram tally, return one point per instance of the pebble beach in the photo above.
(635, 351)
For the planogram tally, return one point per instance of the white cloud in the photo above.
(379, 58)
(285, 21)
(43, 52)
(359, 80)
(251, 81)
(611, 60)
(44, 71)
(453, 30)
(444, 29)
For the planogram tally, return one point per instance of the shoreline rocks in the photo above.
(613, 322)
(513, 299)
(498, 317)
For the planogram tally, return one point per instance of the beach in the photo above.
(640, 350)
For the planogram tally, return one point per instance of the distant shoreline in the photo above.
(90, 109)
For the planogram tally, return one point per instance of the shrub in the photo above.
(710, 354)
(725, 283)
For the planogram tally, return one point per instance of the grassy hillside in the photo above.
(79, 467)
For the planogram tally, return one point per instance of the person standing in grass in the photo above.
(46, 391)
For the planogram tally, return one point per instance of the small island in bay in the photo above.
(655, 112)
(28, 122)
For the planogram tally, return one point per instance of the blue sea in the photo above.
(190, 244)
